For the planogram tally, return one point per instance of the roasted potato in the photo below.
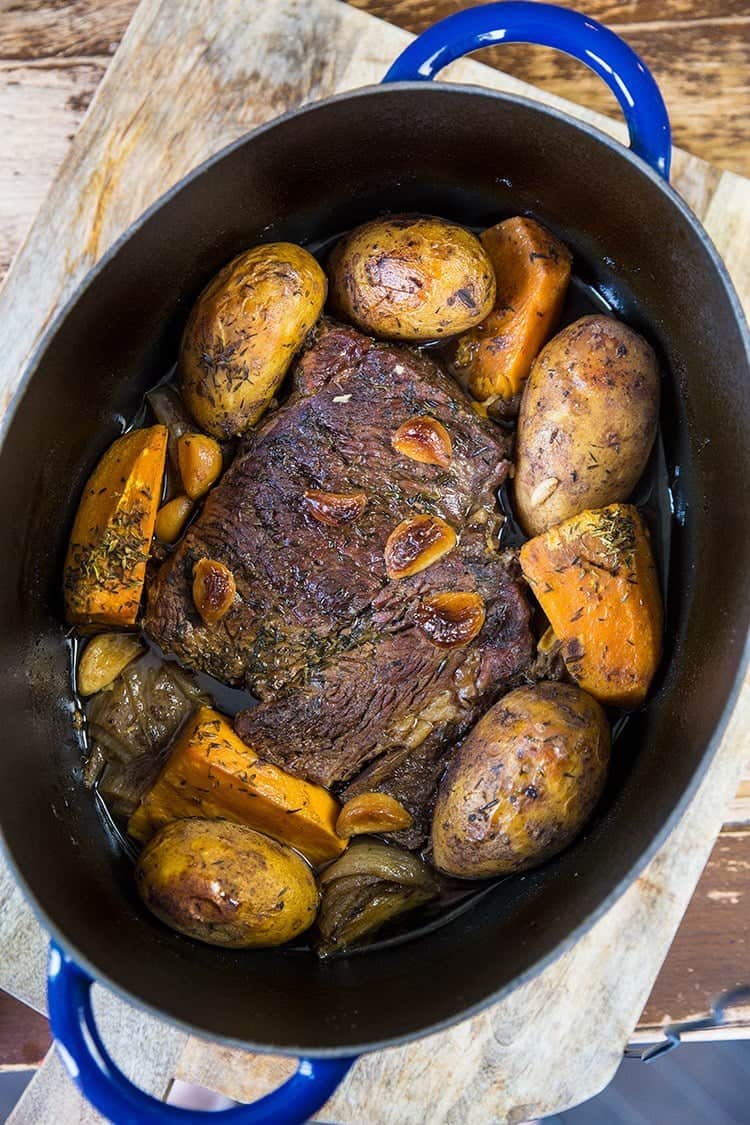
(226, 884)
(588, 420)
(412, 277)
(242, 334)
(523, 784)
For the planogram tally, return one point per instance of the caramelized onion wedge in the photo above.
(451, 619)
(335, 508)
(213, 590)
(372, 858)
(424, 439)
(372, 812)
(417, 543)
(131, 725)
(169, 409)
(370, 885)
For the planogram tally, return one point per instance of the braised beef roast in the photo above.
(331, 646)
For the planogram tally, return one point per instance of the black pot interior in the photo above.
(470, 156)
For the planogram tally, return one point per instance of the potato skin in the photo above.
(523, 784)
(243, 331)
(412, 277)
(587, 423)
(225, 884)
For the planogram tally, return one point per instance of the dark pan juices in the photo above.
(653, 498)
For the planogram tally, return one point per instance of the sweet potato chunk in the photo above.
(106, 562)
(532, 269)
(211, 772)
(594, 577)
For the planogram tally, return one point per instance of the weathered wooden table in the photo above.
(52, 58)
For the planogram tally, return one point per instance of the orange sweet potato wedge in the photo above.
(532, 269)
(212, 773)
(594, 577)
(105, 566)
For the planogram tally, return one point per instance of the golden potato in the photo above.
(412, 277)
(587, 424)
(225, 884)
(523, 784)
(242, 334)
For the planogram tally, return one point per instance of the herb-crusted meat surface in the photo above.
(317, 630)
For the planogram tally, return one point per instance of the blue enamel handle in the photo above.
(605, 53)
(104, 1085)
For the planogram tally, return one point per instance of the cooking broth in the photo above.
(653, 498)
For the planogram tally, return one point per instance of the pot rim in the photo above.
(659, 838)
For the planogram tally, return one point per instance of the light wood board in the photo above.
(187, 79)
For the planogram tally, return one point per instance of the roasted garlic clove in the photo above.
(372, 812)
(424, 439)
(104, 657)
(213, 590)
(335, 508)
(171, 519)
(451, 619)
(200, 461)
(417, 543)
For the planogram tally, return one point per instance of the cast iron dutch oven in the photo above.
(471, 155)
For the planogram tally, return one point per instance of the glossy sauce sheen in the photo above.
(652, 496)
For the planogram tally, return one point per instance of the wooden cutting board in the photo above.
(187, 79)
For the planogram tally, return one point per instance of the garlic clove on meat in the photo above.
(424, 439)
(213, 590)
(417, 543)
(334, 508)
(451, 619)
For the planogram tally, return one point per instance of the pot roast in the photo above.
(350, 675)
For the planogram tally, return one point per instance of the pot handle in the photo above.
(518, 21)
(105, 1086)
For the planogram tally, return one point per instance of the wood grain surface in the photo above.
(191, 77)
(24, 1035)
(711, 951)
